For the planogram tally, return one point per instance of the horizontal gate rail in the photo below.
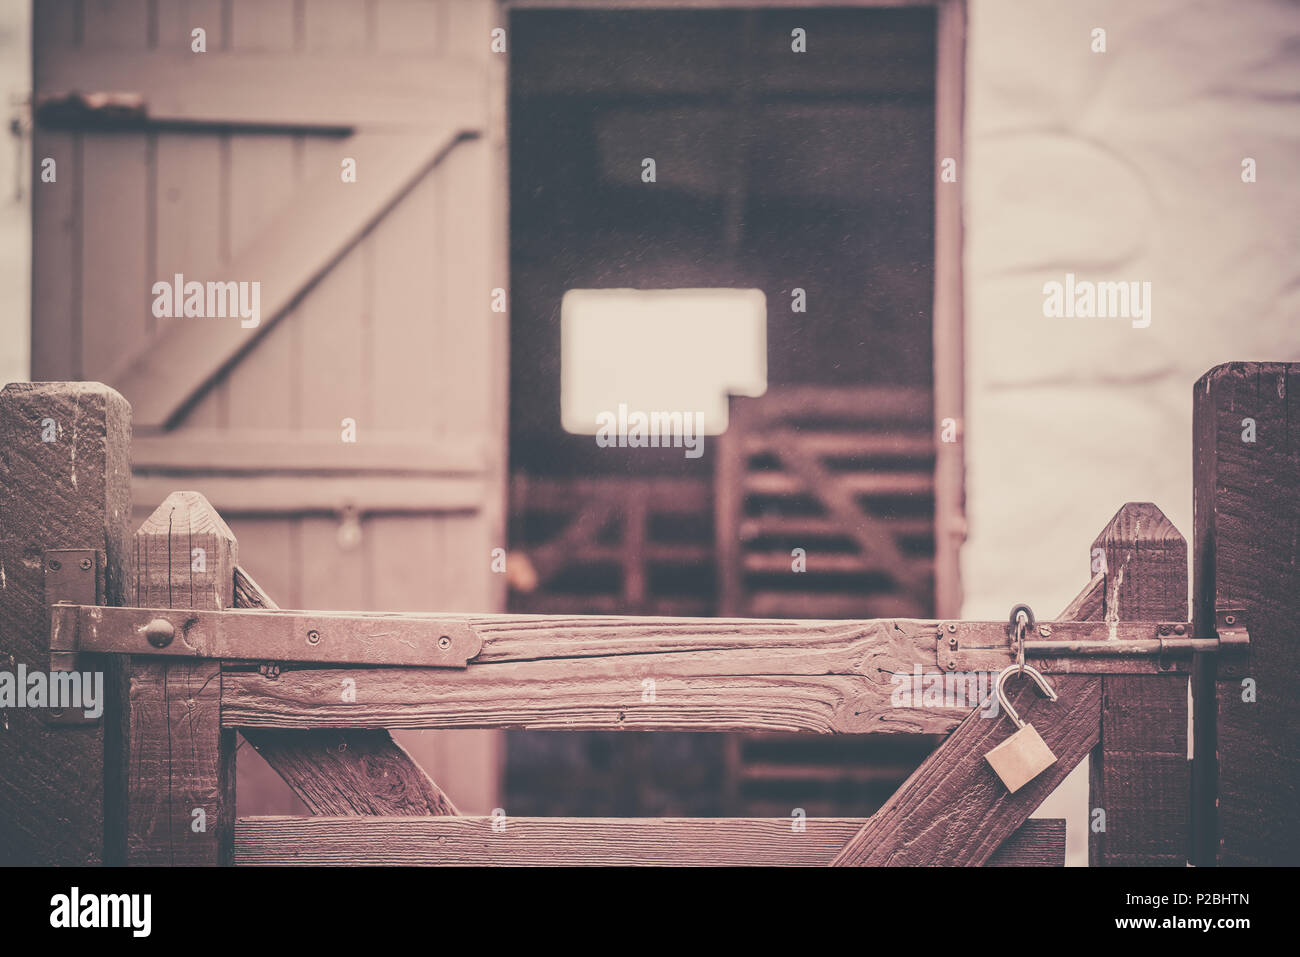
(551, 841)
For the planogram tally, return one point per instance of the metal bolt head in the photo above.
(55, 564)
(1164, 629)
(313, 637)
(1045, 631)
(1229, 619)
(85, 564)
(1180, 629)
(952, 626)
(444, 642)
(952, 642)
(952, 664)
(159, 632)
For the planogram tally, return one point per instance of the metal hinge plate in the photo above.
(74, 576)
(261, 635)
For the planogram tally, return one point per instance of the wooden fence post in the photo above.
(1139, 775)
(1247, 548)
(180, 764)
(65, 482)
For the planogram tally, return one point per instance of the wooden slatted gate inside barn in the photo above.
(200, 652)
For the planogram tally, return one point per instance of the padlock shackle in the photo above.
(1018, 631)
(1039, 680)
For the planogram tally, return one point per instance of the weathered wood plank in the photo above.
(588, 673)
(1247, 517)
(72, 492)
(342, 771)
(544, 841)
(350, 771)
(180, 799)
(1039, 842)
(1139, 775)
(954, 809)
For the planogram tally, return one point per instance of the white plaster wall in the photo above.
(1123, 165)
(15, 193)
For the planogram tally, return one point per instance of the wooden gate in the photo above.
(200, 651)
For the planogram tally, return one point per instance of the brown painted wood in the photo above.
(587, 673)
(179, 758)
(73, 492)
(342, 771)
(953, 809)
(1247, 518)
(1139, 775)
(549, 841)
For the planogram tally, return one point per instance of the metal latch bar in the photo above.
(267, 636)
(1095, 647)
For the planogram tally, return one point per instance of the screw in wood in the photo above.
(313, 637)
(1180, 629)
(444, 642)
(55, 564)
(952, 626)
(1045, 631)
(85, 564)
(952, 642)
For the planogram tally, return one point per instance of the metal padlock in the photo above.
(1025, 755)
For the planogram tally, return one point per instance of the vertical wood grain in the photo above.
(179, 760)
(1247, 547)
(1139, 775)
(73, 492)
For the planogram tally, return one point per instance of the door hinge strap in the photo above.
(262, 635)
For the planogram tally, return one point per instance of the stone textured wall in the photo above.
(1122, 165)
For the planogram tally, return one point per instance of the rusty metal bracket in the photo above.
(260, 635)
(76, 576)
(1090, 647)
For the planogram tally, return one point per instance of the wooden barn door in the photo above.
(375, 299)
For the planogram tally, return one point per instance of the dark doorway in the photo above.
(806, 175)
